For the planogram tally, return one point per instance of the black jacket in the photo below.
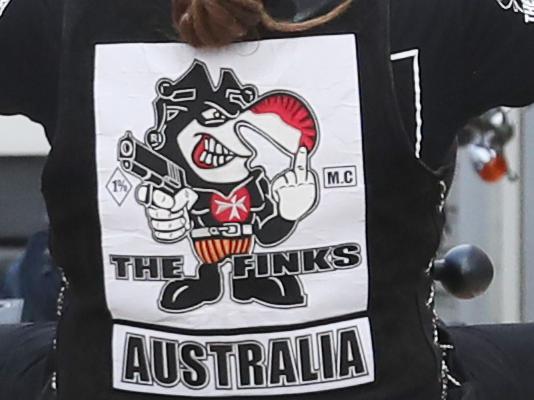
(365, 204)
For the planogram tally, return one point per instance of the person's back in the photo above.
(237, 222)
(218, 174)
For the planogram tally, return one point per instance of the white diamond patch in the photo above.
(119, 187)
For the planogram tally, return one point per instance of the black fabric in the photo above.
(493, 362)
(24, 360)
(473, 56)
(30, 58)
(403, 220)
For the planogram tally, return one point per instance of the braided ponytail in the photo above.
(216, 23)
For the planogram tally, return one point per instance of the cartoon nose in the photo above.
(284, 120)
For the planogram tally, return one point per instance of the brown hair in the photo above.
(215, 23)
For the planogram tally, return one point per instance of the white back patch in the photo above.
(276, 228)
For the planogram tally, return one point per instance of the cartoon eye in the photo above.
(211, 113)
(171, 114)
(213, 116)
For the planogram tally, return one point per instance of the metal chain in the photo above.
(60, 305)
(442, 196)
(446, 377)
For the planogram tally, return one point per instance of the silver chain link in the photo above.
(444, 348)
(60, 305)
(446, 377)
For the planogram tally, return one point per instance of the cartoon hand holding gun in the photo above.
(166, 199)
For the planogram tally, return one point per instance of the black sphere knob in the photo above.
(466, 271)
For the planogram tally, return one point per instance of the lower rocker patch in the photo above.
(320, 358)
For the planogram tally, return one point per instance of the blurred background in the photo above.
(495, 215)
(26, 268)
(23, 149)
(490, 211)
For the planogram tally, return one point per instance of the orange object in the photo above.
(494, 170)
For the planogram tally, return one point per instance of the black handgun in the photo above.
(144, 163)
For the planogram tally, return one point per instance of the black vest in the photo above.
(104, 353)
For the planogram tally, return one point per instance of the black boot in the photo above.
(283, 291)
(190, 293)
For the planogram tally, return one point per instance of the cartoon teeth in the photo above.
(215, 154)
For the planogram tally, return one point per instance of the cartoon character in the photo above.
(199, 183)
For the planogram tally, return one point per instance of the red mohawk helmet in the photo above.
(284, 119)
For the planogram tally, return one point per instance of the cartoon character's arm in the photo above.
(163, 193)
(296, 189)
(269, 227)
(288, 200)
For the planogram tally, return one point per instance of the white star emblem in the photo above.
(236, 205)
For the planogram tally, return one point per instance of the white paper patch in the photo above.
(231, 186)
(299, 361)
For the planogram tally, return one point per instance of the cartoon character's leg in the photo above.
(283, 291)
(186, 294)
